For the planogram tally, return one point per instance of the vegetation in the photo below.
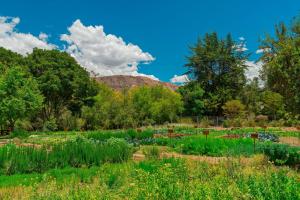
(159, 179)
(75, 153)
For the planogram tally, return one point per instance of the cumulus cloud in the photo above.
(104, 54)
(253, 69)
(22, 43)
(180, 79)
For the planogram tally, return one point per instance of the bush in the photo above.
(233, 108)
(281, 154)
(50, 125)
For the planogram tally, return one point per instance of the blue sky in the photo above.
(163, 28)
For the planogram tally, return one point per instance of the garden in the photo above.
(174, 162)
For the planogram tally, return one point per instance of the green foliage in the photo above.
(281, 154)
(251, 96)
(213, 64)
(198, 145)
(77, 153)
(157, 104)
(233, 109)
(175, 179)
(281, 64)
(62, 81)
(192, 95)
(136, 107)
(19, 96)
(273, 104)
(151, 152)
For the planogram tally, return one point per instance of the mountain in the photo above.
(120, 82)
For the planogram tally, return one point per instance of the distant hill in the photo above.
(120, 82)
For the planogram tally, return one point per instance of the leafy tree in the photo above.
(156, 104)
(62, 81)
(273, 105)
(10, 59)
(251, 97)
(233, 108)
(218, 65)
(281, 69)
(102, 113)
(19, 96)
(192, 95)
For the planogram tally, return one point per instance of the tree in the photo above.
(10, 59)
(273, 105)
(62, 81)
(156, 104)
(192, 95)
(281, 69)
(233, 108)
(218, 65)
(251, 97)
(19, 96)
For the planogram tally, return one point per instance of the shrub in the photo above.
(50, 125)
(233, 108)
(281, 154)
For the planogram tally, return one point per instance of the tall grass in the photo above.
(77, 153)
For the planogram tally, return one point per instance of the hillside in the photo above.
(120, 82)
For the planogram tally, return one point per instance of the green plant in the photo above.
(151, 152)
(75, 153)
(281, 154)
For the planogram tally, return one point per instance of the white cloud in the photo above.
(241, 38)
(104, 54)
(259, 51)
(253, 69)
(22, 43)
(180, 79)
(241, 47)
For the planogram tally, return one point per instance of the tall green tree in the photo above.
(19, 96)
(192, 95)
(218, 65)
(281, 69)
(62, 81)
(251, 96)
(273, 105)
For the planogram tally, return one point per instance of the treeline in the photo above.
(220, 87)
(48, 90)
